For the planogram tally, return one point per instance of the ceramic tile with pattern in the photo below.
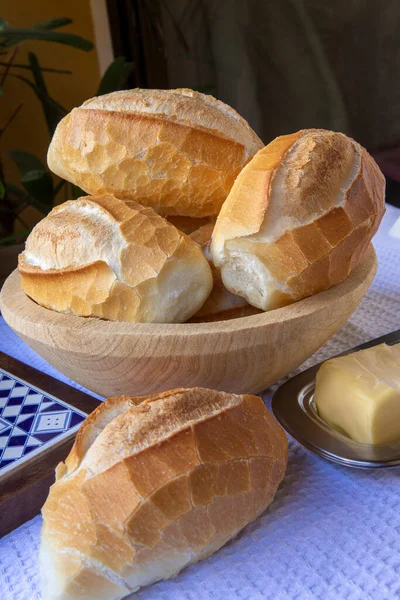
(31, 420)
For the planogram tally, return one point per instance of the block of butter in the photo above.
(359, 394)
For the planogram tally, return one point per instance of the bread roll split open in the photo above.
(221, 304)
(154, 484)
(102, 257)
(177, 151)
(299, 217)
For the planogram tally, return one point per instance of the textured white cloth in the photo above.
(332, 533)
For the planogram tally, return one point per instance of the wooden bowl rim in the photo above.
(34, 313)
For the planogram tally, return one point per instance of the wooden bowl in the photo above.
(239, 355)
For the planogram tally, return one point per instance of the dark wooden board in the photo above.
(24, 488)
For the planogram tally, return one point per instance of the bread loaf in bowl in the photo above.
(153, 484)
(298, 218)
(102, 257)
(221, 304)
(177, 151)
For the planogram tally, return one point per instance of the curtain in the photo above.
(292, 64)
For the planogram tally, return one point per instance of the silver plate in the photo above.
(293, 406)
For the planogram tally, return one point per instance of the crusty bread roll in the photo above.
(298, 218)
(220, 304)
(102, 257)
(153, 484)
(177, 151)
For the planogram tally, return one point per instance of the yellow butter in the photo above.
(359, 394)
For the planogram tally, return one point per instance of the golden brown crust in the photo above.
(301, 214)
(177, 151)
(93, 425)
(99, 256)
(189, 469)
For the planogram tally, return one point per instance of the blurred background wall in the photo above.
(292, 64)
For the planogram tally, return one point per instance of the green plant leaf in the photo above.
(26, 161)
(28, 68)
(116, 76)
(40, 95)
(2, 190)
(59, 187)
(37, 73)
(76, 192)
(24, 199)
(43, 208)
(16, 201)
(10, 119)
(15, 35)
(14, 237)
(39, 185)
(53, 23)
(8, 66)
(17, 192)
(53, 112)
(3, 24)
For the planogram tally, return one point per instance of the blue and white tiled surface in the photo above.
(31, 420)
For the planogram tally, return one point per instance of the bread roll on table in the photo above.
(102, 257)
(298, 218)
(154, 484)
(177, 151)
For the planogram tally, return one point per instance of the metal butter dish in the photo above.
(293, 406)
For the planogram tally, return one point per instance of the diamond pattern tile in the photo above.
(30, 420)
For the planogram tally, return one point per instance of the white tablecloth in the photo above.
(332, 533)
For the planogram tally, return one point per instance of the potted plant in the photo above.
(38, 187)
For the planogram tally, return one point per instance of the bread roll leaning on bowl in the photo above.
(298, 218)
(102, 257)
(177, 151)
(154, 484)
(220, 304)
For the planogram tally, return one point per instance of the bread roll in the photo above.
(102, 257)
(220, 304)
(177, 151)
(298, 218)
(153, 484)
